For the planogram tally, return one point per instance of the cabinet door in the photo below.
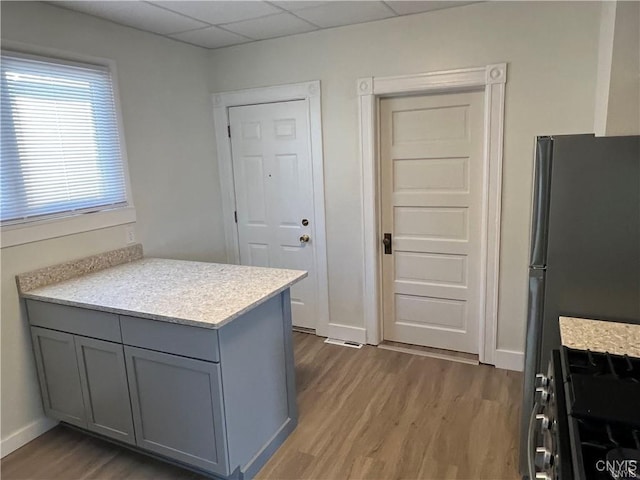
(104, 386)
(177, 408)
(58, 374)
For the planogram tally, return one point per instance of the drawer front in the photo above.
(81, 321)
(184, 340)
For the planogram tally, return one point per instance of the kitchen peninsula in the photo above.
(188, 361)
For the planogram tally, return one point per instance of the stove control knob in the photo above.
(542, 395)
(543, 476)
(542, 380)
(543, 458)
(543, 421)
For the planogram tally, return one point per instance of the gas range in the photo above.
(586, 422)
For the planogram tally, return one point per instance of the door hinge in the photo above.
(235, 216)
(229, 130)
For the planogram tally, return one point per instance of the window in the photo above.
(61, 151)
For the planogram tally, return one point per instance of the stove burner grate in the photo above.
(609, 451)
(619, 367)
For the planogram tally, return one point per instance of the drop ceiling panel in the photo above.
(244, 20)
(410, 7)
(294, 5)
(334, 14)
(272, 26)
(217, 13)
(211, 37)
(140, 15)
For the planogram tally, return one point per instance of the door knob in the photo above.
(386, 241)
(305, 238)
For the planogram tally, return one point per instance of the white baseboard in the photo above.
(509, 360)
(348, 333)
(23, 436)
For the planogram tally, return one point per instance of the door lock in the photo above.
(387, 241)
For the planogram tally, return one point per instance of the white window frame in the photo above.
(62, 225)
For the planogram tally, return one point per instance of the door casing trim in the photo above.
(309, 92)
(492, 79)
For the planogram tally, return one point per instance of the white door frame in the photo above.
(310, 93)
(490, 78)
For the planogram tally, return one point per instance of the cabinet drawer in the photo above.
(185, 340)
(81, 321)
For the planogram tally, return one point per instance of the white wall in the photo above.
(168, 132)
(622, 112)
(551, 49)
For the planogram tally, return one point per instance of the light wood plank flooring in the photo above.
(368, 413)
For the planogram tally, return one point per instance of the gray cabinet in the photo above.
(84, 382)
(104, 387)
(58, 374)
(177, 407)
(218, 401)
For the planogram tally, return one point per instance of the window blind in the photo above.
(60, 143)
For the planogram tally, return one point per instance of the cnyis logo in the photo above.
(622, 469)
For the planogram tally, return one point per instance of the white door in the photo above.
(274, 195)
(431, 180)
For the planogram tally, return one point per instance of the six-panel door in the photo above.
(177, 407)
(274, 194)
(57, 366)
(104, 386)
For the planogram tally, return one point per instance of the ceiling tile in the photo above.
(270, 27)
(409, 7)
(217, 13)
(334, 14)
(211, 37)
(140, 15)
(294, 5)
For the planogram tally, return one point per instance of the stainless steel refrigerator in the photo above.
(585, 246)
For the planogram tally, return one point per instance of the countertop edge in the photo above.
(162, 318)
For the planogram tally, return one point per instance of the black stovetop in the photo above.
(603, 403)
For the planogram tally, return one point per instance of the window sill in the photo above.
(20, 234)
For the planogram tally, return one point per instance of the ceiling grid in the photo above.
(216, 24)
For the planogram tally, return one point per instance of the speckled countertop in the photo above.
(207, 295)
(600, 336)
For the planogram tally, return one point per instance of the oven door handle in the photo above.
(531, 448)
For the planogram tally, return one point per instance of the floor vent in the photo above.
(343, 343)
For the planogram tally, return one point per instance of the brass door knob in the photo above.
(305, 238)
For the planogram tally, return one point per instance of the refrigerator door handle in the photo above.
(541, 194)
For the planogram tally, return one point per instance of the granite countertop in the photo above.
(207, 295)
(600, 336)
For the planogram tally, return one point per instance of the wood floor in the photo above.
(369, 413)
